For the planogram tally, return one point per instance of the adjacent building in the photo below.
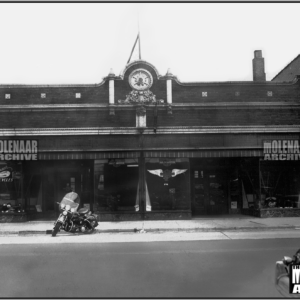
(289, 72)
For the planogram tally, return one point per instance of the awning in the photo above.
(151, 154)
(204, 154)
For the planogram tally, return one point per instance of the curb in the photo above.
(153, 230)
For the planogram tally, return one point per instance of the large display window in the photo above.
(120, 186)
(116, 185)
(167, 184)
(280, 184)
(11, 188)
(250, 182)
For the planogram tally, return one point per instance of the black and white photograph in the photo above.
(149, 150)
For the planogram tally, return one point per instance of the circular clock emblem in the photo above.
(140, 79)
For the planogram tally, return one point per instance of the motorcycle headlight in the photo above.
(62, 205)
(72, 209)
(65, 212)
(68, 207)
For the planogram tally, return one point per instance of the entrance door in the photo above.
(217, 187)
(210, 191)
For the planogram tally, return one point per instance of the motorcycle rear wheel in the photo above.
(56, 229)
(89, 230)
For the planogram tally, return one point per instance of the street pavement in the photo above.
(219, 268)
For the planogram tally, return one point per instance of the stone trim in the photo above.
(210, 105)
(159, 130)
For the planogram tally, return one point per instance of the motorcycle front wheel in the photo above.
(56, 229)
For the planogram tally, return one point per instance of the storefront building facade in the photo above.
(145, 146)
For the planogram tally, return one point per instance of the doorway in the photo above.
(211, 186)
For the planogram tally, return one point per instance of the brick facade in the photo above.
(202, 121)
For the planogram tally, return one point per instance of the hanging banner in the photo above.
(18, 149)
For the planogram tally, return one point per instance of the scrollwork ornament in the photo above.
(140, 97)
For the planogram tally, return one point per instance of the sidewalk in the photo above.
(201, 224)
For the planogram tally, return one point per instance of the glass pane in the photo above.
(116, 185)
(10, 186)
(167, 184)
(280, 184)
(217, 191)
(199, 192)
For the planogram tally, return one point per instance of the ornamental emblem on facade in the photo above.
(166, 174)
(140, 80)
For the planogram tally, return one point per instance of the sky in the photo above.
(78, 43)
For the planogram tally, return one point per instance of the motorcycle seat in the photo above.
(83, 210)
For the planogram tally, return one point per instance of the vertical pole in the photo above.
(259, 182)
(189, 184)
(142, 178)
(22, 187)
(140, 55)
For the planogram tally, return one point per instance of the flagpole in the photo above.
(137, 38)
(140, 55)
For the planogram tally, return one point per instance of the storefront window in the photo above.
(167, 184)
(250, 182)
(116, 185)
(280, 184)
(10, 184)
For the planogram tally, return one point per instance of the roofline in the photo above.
(165, 77)
(192, 83)
(50, 85)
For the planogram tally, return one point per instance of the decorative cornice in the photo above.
(232, 83)
(128, 105)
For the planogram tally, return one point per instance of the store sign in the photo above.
(281, 150)
(18, 149)
(6, 174)
(166, 174)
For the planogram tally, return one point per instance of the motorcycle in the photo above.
(71, 220)
(282, 280)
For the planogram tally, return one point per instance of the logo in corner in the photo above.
(294, 275)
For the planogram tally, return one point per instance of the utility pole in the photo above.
(142, 178)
